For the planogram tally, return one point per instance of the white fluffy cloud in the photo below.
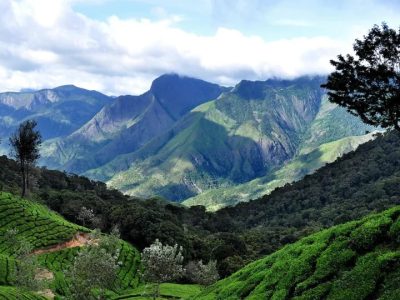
(45, 43)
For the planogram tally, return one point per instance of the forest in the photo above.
(340, 191)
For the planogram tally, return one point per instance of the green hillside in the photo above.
(214, 153)
(167, 291)
(236, 138)
(295, 169)
(356, 260)
(49, 235)
(11, 293)
(128, 123)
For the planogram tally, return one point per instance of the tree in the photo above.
(86, 215)
(368, 85)
(27, 266)
(203, 274)
(95, 268)
(162, 263)
(25, 144)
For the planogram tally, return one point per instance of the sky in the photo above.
(120, 46)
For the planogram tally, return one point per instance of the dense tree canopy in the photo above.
(368, 84)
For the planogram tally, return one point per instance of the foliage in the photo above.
(93, 269)
(339, 192)
(86, 216)
(369, 85)
(203, 274)
(26, 226)
(162, 263)
(325, 265)
(25, 144)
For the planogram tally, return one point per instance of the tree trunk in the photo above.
(27, 180)
(23, 192)
(156, 292)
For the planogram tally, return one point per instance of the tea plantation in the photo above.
(11, 293)
(43, 229)
(356, 260)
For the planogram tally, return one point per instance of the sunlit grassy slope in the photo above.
(304, 164)
(167, 291)
(356, 260)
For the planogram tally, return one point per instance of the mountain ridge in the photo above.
(130, 121)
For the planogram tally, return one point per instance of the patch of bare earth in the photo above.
(45, 275)
(80, 239)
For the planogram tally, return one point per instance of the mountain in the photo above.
(331, 134)
(247, 133)
(356, 260)
(294, 170)
(59, 111)
(128, 123)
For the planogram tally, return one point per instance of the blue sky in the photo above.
(120, 46)
(271, 19)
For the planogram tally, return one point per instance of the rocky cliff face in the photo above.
(128, 123)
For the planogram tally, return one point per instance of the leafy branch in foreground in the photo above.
(368, 85)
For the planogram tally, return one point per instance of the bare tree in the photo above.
(162, 263)
(25, 144)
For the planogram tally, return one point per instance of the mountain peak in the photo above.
(247, 89)
(169, 79)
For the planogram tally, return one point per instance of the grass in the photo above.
(356, 260)
(167, 291)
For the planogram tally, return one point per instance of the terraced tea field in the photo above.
(11, 293)
(56, 243)
(34, 223)
(357, 260)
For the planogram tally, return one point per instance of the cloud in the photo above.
(45, 43)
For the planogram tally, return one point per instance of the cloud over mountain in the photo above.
(47, 43)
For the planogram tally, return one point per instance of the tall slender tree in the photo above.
(25, 143)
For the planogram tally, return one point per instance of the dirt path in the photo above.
(80, 239)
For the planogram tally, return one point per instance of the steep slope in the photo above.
(54, 241)
(332, 133)
(353, 186)
(295, 169)
(245, 134)
(58, 111)
(356, 260)
(128, 123)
